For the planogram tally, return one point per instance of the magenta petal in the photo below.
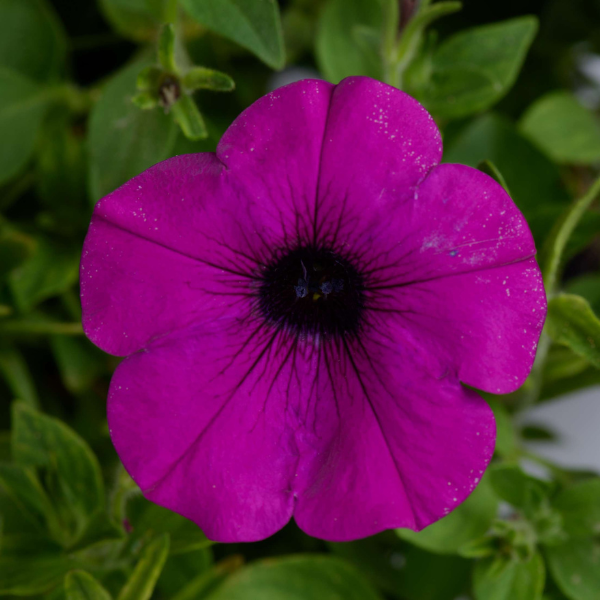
(378, 145)
(403, 445)
(204, 423)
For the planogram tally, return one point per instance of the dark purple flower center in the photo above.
(312, 291)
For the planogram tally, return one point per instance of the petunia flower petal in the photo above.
(403, 446)
(378, 145)
(204, 422)
(167, 248)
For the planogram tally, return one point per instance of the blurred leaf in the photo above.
(124, 140)
(80, 585)
(303, 576)
(554, 247)
(52, 269)
(506, 436)
(428, 576)
(562, 362)
(180, 569)
(489, 168)
(469, 521)
(16, 373)
(512, 580)
(587, 286)
(15, 248)
(79, 361)
(533, 180)
(24, 488)
(206, 582)
(338, 55)
(138, 20)
(253, 24)
(474, 68)
(34, 574)
(61, 171)
(579, 506)
(32, 41)
(562, 128)
(22, 107)
(572, 322)
(201, 78)
(143, 579)
(188, 117)
(166, 48)
(575, 566)
(41, 441)
(514, 486)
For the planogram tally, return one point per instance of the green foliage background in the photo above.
(95, 91)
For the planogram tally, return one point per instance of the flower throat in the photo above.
(312, 291)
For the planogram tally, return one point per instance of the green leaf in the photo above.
(80, 585)
(201, 78)
(554, 248)
(514, 486)
(562, 128)
(79, 361)
(33, 574)
(474, 68)
(506, 436)
(124, 140)
(143, 579)
(467, 522)
(206, 582)
(579, 506)
(489, 168)
(529, 174)
(24, 488)
(22, 107)
(253, 24)
(512, 580)
(188, 117)
(52, 269)
(41, 441)
(32, 41)
(139, 20)
(166, 48)
(587, 286)
(15, 248)
(575, 566)
(16, 373)
(302, 576)
(572, 322)
(338, 55)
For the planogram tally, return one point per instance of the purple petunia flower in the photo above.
(298, 312)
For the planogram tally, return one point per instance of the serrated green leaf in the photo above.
(562, 128)
(253, 24)
(145, 575)
(338, 55)
(124, 140)
(575, 566)
(80, 585)
(22, 107)
(302, 576)
(515, 581)
(32, 40)
(579, 506)
(42, 441)
(572, 322)
(467, 522)
(474, 68)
